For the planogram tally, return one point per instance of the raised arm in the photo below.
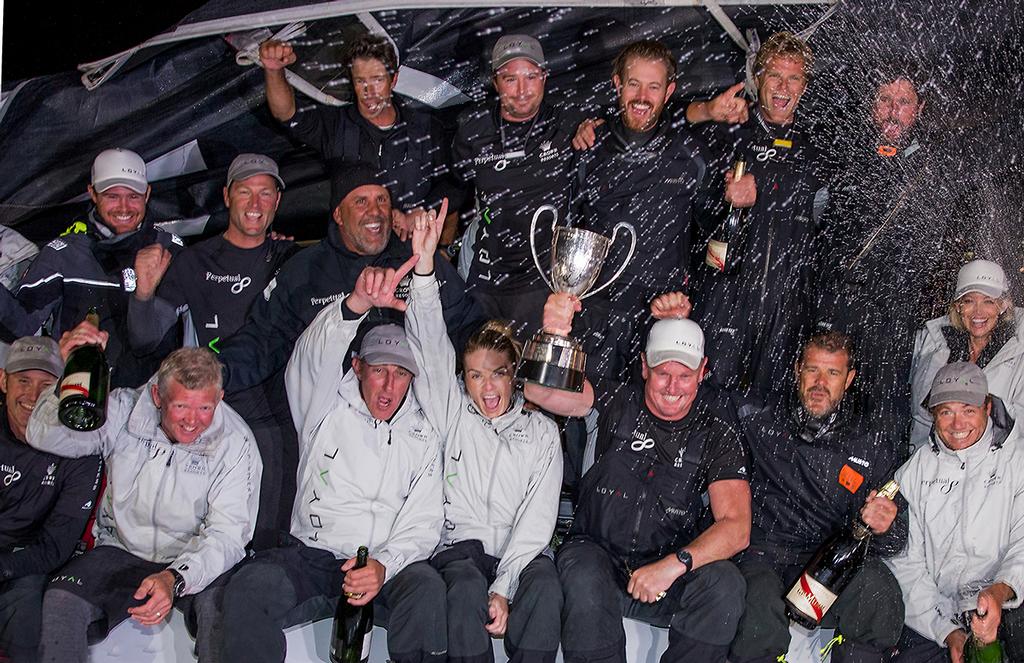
(729, 107)
(275, 56)
(436, 386)
(558, 313)
(151, 316)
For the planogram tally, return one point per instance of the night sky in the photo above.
(39, 39)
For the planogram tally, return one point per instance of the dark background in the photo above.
(39, 39)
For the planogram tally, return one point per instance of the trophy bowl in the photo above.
(577, 257)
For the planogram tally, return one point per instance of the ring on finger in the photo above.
(660, 596)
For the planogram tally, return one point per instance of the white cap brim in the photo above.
(690, 360)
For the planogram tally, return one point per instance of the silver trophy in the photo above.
(577, 257)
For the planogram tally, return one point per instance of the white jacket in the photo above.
(966, 511)
(361, 481)
(189, 506)
(1005, 373)
(503, 477)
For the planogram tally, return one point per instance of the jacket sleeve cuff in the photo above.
(1012, 580)
(504, 586)
(393, 563)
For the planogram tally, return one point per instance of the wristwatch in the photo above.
(684, 556)
(179, 584)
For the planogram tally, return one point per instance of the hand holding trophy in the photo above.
(577, 256)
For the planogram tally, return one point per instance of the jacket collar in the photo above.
(505, 421)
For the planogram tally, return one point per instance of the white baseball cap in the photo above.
(675, 340)
(982, 276)
(119, 167)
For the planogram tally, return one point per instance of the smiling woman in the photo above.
(982, 327)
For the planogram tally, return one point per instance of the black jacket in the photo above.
(810, 481)
(413, 154)
(652, 182)
(86, 269)
(45, 503)
(792, 192)
(316, 276)
(514, 167)
(644, 497)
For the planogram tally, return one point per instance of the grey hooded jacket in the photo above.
(361, 481)
(189, 506)
(502, 476)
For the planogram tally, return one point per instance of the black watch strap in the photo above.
(179, 584)
(684, 556)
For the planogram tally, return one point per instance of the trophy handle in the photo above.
(621, 225)
(533, 243)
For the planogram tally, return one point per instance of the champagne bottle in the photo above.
(976, 652)
(350, 642)
(85, 386)
(725, 246)
(831, 570)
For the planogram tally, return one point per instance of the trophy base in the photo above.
(548, 375)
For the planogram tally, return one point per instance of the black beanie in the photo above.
(347, 176)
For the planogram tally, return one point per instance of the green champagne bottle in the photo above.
(85, 386)
(350, 642)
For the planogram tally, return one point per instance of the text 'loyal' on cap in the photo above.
(119, 167)
(959, 382)
(675, 340)
(982, 276)
(38, 353)
(387, 344)
(249, 165)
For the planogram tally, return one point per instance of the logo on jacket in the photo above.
(641, 442)
(49, 478)
(547, 152)
(128, 277)
(11, 474)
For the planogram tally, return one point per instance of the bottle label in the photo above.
(715, 256)
(811, 597)
(76, 384)
(366, 644)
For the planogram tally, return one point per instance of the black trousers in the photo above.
(293, 584)
(868, 614)
(532, 632)
(702, 608)
(21, 617)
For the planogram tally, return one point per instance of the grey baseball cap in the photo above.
(387, 344)
(249, 165)
(513, 47)
(960, 382)
(675, 340)
(35, 353)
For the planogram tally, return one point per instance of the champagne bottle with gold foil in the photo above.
(831, 570)
(725, 246)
